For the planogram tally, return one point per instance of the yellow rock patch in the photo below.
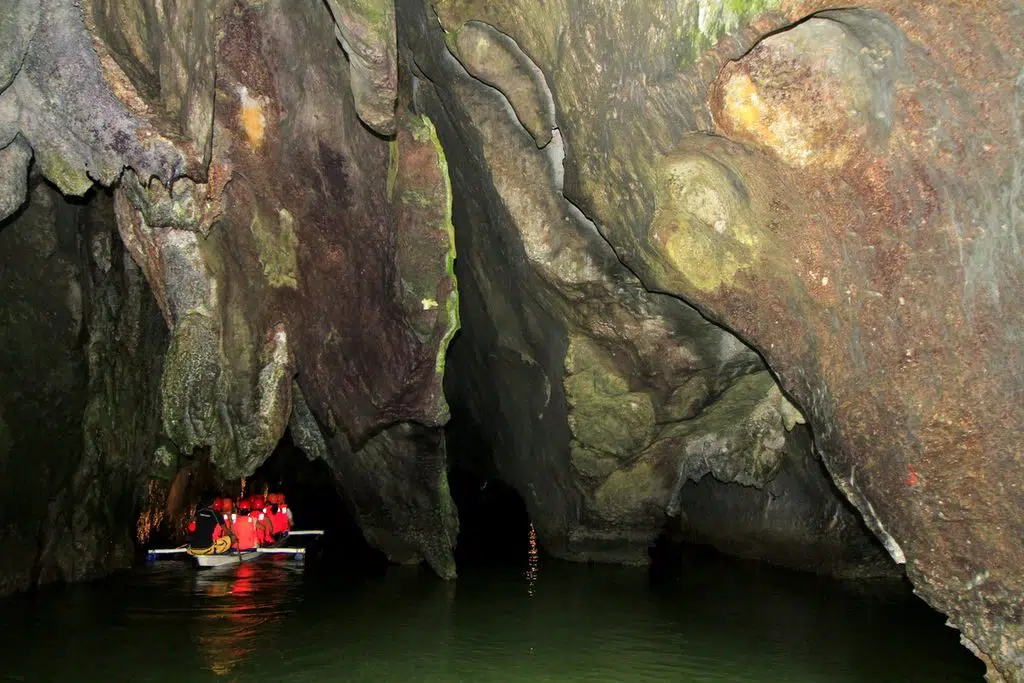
(774, 127)
(254, 123)
(805, 94)
(703, 226)
(742, 106)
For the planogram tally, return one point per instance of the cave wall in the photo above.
(82, 343)
(845, 195)
(602, 403)
(302, 262)
(316, 261)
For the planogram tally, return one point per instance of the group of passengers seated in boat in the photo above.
(221, 526)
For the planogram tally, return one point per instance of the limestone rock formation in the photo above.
(601, 402)
(845, 195)
(266, 231)
(634, 187)
(366, 30)
(82, 343)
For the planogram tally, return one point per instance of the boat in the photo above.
(282, 547)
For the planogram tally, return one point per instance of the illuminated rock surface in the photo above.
(633, 187)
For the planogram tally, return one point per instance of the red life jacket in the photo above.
(280, 519)
(245, 533)
(262, 535)
(268, 519)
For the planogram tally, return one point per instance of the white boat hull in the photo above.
(235, 558)
(225, 559)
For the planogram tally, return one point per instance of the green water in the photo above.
(270, 622)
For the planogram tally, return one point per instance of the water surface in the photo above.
(269, 621)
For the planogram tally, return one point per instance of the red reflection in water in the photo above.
(245, 580)
(245, 615)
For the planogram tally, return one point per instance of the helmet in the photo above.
(272, 498)
(243, 506)
(257, 502)
(218, 504)
(280, 499)
(228, 504)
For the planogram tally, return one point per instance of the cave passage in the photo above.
(554, 319)
(515, 612)
(313, 495)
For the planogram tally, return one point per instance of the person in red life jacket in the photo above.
(228, 515)
(278, 514)
(222, 528)
(264, 533)
(265, 522)
(287, 521)
(244, 529)
(272, 515)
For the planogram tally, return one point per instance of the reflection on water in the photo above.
(252, 602)
(532, 560)
(269, 621)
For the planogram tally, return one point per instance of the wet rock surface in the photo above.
(266, 232)
(633, 188)
(600, 402)
(82, 344)
(843, 195)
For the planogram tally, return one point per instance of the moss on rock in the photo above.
(604, 415)
(275, 247)
(188, 388)
(703, 226)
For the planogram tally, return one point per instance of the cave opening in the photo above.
(494, 525)
(312, 491)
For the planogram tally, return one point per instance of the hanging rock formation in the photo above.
(266, 231)
(82, 343)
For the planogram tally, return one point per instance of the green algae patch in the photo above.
(68, 179)
(451, 304)
(624, 496)
(704, 228)
(421, 192)
(393, 161)
(590, 465)
(740, 437)
(276, 245)
(706, 22)
(605, 416)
